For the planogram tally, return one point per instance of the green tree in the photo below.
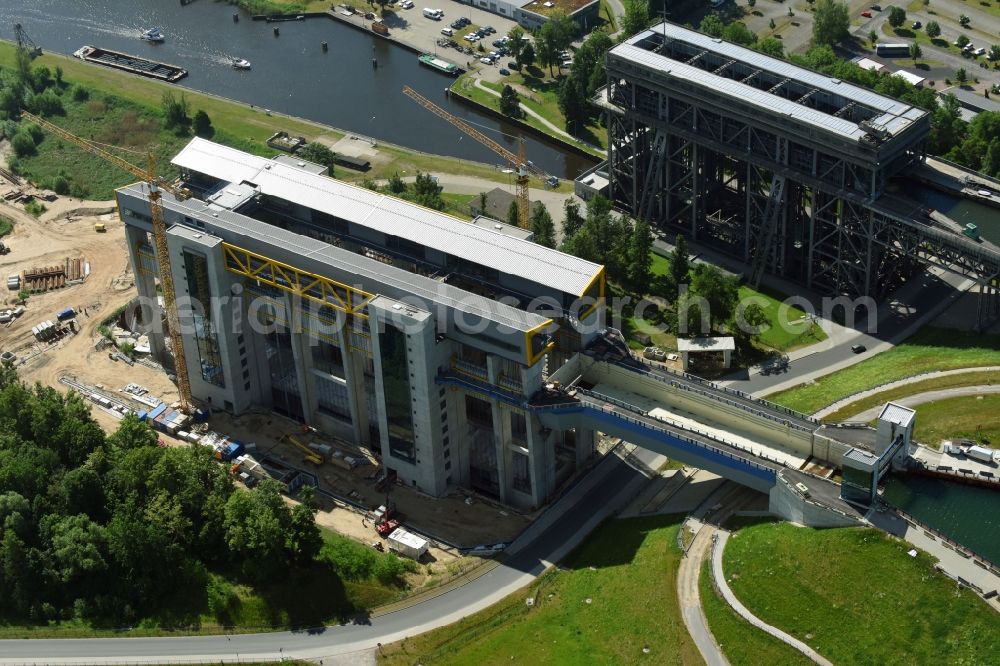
(872, 37)
(256, 525)
(516, 43)
(932, 29)
(527, 58)
(772, 47)
(721, 291)
(915, 52)
(636, 17)
(513, 214)
(755, 319)
(639, 256)
(304, 540)
(547, 43)
(712, 25)
(509, 104)
(995, 52)
(564, 29)
(830, 22)
(427, 192)
(961, 76)
(23, 144)
(961, 41)
(738, 33)
(542, 226)
(203, 125)
(396, 185)
(680, 261)
(175, 113)
(572, 219)
(482, 203)
(23, 295)
(964, 21)
(318, 153)
(897, 16)
(573, 104)
(131, 434)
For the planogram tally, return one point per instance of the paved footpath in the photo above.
(690, 601)
(727, 593)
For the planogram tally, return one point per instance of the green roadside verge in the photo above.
(847, 412)
(614, 602)
(930, 349)
(857, 597)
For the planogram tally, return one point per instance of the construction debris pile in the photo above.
(73, 271)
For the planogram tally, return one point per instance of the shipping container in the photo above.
(63, 315)
(407, 543)
(980, 453)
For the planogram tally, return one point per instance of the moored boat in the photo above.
(432, 61)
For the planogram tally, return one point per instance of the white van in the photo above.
(448, 32)
(434, 14)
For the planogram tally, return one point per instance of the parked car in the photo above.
(866, 14)
(406, 4)
(512, 64)
(876, 8)
(980, 51)
(447, 31)
(504, 71)
(489, 29)
(486, 60)
(859, 349)
(917, 25)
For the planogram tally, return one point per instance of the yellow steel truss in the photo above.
(280, 275)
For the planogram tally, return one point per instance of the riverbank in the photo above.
(252, 124)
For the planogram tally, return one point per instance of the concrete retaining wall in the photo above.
(790, 505)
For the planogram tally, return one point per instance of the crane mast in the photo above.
(522, 167)
(155, 184)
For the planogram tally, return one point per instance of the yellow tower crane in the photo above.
(522, 167)
(155, 183)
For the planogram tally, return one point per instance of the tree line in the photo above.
(113, 529)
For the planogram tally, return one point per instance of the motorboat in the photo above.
(152, 35)
(240, 63)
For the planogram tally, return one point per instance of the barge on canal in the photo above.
(432, 61)
(132, 63)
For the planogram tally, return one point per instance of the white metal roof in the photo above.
(707, 344)
(482, 245)
(893, 413)
(894, 116)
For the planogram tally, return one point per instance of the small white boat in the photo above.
(152, 35)
(240, 63)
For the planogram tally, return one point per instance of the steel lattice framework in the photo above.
(774, 164)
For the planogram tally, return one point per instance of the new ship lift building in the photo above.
(344, 308)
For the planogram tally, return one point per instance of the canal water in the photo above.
(968, 515)
(291, 74)
(961, 210)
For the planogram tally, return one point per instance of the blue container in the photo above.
(68, 313)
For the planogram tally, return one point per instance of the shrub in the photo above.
(60, 185)
(34, 208)
(80, 94)
(23, 144)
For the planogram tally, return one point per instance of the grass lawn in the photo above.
(859, 597)
(787, 329)
(928, 350)
(742, 643)
(878, 399)
(968, 417)
(627, 569)
(458, 204)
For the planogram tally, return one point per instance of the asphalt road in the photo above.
(896, 320)
(550, 539)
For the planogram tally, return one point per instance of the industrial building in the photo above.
(797, 173)
(343, 308)
(532, 14)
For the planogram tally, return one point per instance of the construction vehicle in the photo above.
(4, 249)
(311, 456)
(154, 184)
(100, 227)
(520, 163)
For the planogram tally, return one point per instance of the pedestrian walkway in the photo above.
(911, 380)
(931, 396)
(537, 116)
(688, 596)
(722, 536)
